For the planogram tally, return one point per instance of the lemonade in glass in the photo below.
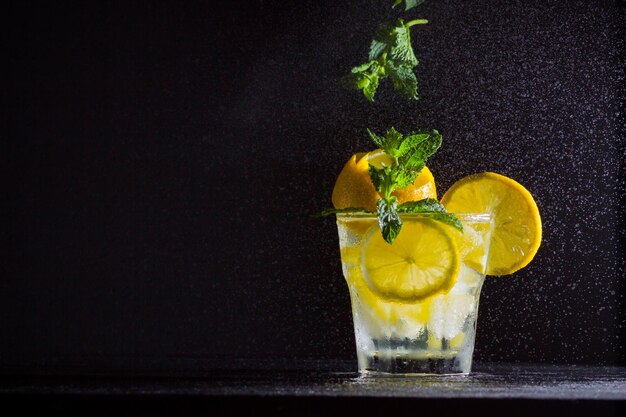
(414, 264)
(407, 320)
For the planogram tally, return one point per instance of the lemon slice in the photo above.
(404, 317)
(517, 224)
(423, 260)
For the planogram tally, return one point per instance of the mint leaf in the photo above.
(404, 80)
(388, 218)
(377, 47)
(422, 151)
(409, 155)
(365, 77)
(421, 206)
(390, 143)
(331, 211)
(408, 4)
(433, 209)
(400, 51)
(364, 68)
(410, 142)
(393, 139)
(378, 140)
(369, 90)
(388, 179)
(381, 178)
(402, 177)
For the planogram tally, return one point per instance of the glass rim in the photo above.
(464, 216)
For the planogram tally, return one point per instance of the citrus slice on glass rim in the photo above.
(517, 224)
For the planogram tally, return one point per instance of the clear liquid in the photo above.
(429, 336)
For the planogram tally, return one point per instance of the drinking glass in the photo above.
(433, 334)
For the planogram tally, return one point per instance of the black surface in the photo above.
(339, 379)
(163, 160)
(330, 389)
(174, 405)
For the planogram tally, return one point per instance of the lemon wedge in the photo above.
(354, 188)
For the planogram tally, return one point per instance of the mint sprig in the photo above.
(407, 157)
(408, 154)
(390, 55)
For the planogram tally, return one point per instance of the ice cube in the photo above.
(448, 314)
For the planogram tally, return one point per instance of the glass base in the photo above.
(406, 365)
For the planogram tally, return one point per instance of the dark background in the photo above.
(163, 160)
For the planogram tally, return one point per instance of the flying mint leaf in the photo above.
(378, 46)
(388, 218)
(433, 209)
(390, 54)
(365, 77)
(383, 41)
(408, 4)
(331, 211)
(403, 79)
(400, 51)
(369, 90)
(371, 66)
